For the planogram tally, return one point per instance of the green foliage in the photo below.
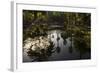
(77, 25)
(82, 41)
(36, 30)
(64, 35)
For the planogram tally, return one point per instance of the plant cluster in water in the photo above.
(39, 47)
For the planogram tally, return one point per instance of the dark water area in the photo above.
(62, 49)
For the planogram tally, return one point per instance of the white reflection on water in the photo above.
(65, 52)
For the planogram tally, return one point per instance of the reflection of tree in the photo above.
(64, 42)
(64, 36)
(52, 36)
(81, 43)
(71, 48)
(58, 49)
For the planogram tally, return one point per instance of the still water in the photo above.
(63, 49)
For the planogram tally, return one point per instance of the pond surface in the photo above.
(64, 49)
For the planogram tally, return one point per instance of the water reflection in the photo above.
(82, 43)
(57, 45)
(64, 42)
